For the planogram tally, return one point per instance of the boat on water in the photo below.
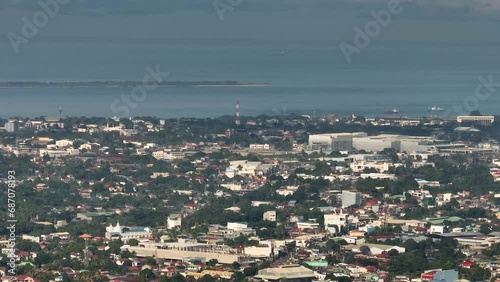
(435, 109)
(391, 111)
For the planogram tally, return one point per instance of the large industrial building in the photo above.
(402, 143)
(361, 141)
(484, 120)
(333, 141)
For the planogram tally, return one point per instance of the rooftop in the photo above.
(286, 271)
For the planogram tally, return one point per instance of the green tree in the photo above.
(146, 275)
(133, 242)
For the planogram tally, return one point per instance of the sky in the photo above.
(420, 20)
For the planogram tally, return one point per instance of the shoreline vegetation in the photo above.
(20, 84)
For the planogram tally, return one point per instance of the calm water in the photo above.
(311, 78)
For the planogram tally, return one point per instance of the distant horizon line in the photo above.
(126, 83)
(243, 116)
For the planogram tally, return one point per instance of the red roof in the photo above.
(429, 275)
(468, 263)
(134, 268)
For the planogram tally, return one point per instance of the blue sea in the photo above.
(305, 77)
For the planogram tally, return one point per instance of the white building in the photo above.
(59, 153)
(242, 167)
(64, 143)
(127, 233)
(398, 142)
(359, 166)
(168, 156)
(335, 222)
(263, 250)
(332, 141)
(269, 216)
(485, 120)
(350, 198)
(236, 225)
(436, 229)
(259, 147)
(287, 190)
(307, 225)
(11, 126)
(173, 221)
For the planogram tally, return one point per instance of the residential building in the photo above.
(436, 229)
(360, 166)
(259, 147)
(307, 225)
(173, 221)
(11, 126)
(269, 216)
(439, 275)
(336, 222)
(350, 198)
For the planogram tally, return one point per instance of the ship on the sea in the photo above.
(391, 111)
(435, 109)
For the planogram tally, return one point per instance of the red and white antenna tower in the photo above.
(237, 121)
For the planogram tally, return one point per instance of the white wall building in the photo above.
(269, 216)
(359, 166)
(307, 225)
(59, 153)
(236, 225)
(11, 126)
(486, 120)
(331, 141)
(64, 143)
(335, 222)
(350, 198)
(436, 229)
(242, 167)
(398, 142)
(168, 156)
(127, 233)
(259, 147)
(173, 221)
